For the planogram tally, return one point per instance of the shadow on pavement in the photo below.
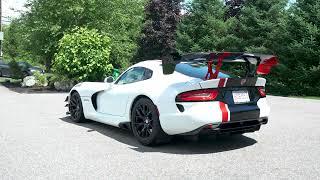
(178, 145)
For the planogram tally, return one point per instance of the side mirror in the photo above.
(109, 79)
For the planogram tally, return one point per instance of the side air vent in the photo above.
(94, 100)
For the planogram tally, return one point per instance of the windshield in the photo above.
(199, 70)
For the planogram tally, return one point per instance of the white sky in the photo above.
(10, 8)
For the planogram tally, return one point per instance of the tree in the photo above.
(123, 21)
(292, 34)
(300, 51)
(48, 21)
(234, 7)
(260, 25)
(14, 38)
(203, 28)
(304, 31)
(159, 32)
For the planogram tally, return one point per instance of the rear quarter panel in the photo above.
(162, 90)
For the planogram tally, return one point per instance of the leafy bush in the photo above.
(16, 72)
(83, 55)
(41, 79)
(51, 79)
(300, 81)
(54, 78)
(60, 82)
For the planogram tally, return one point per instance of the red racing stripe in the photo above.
(221, 82)
(225, 116)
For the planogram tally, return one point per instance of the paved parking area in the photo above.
(37, 141)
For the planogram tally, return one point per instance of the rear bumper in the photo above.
(244, 126)
(200, 114)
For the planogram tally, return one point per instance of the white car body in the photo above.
(114, 102)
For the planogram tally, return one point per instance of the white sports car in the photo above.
(196, 97)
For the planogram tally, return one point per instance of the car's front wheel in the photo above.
(76, 108)
(145, 123)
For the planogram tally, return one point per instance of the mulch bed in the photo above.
(16, 87)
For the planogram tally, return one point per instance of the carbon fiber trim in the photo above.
(240, 82)
(242, 112)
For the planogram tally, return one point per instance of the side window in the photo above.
(131, 76)
(147, 74)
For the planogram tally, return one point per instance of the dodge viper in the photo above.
(200, 93)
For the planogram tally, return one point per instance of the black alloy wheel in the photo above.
(75, 108)
(143, 120)
(145, 123)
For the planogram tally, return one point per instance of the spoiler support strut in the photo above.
(210, 75)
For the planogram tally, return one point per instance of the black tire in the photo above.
(145, 123)
(0, 74)
(76, 108)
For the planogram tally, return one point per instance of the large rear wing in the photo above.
(256, 63)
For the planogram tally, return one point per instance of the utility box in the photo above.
(116, 73)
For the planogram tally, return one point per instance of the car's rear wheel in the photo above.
(76, 108)
(145, 123)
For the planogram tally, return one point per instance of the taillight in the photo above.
(265, 66)
(198, 95)
(262, 91)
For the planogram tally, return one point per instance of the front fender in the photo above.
(87, 89)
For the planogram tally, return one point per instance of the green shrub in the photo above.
(53, 78)
(41, 79)
(84, 56)
(49, 77)
(16, 72)
(299, 81)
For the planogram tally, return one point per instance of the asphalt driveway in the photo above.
(38, 141)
